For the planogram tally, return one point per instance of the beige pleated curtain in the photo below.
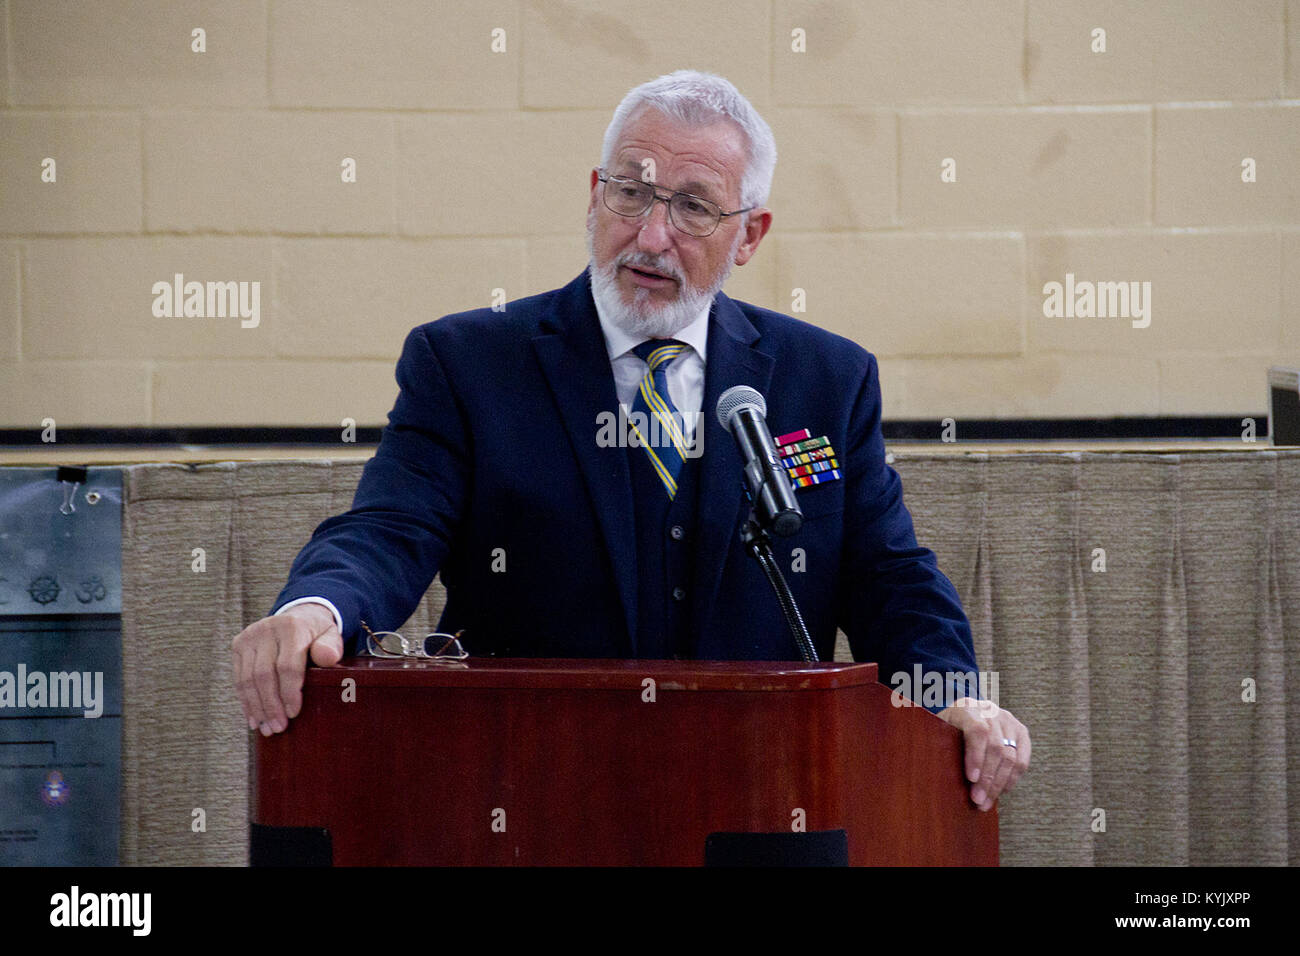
(1141, 612)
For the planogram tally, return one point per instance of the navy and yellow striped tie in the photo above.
(666, 445)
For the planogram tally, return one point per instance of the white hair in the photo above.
(698, 99)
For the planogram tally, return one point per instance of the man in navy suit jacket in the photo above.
(555, 533)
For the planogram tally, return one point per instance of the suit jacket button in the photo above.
(679, 594)
(676, 532)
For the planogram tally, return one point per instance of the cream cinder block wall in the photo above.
(473, 127)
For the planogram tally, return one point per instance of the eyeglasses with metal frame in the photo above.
(693, 215)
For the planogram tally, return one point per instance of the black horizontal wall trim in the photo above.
(1076, 429)
(168, 436)
(967, 429)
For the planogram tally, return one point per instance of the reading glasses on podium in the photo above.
(441, 648)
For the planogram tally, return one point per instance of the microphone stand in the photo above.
(758, 542)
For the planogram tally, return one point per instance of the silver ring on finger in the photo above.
(1008, 742)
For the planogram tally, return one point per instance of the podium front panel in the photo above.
(612, 762)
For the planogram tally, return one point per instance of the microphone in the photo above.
(742, 411)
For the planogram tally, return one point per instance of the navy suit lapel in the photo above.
(572, 353)
(733, 359)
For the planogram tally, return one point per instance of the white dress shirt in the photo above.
(338, 618)
(685, 376)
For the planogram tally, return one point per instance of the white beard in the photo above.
(640, 318)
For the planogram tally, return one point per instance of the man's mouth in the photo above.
(649, 275)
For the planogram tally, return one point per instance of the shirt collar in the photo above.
(618, 342)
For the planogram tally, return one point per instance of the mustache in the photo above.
(641, 260)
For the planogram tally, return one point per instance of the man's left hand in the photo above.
(997, 747)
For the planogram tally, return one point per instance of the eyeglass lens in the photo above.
(692, 215)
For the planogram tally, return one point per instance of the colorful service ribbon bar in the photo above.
(803, 458)
(807, 480)
(786, 450)
(829, 464)
(791, 438)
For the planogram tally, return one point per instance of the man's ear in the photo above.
(756, 227)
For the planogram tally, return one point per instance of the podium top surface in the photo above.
(601, 674)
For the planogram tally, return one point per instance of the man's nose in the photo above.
(656, 231)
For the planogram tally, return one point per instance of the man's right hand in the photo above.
(271, 662)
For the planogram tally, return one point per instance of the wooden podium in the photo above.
(607, 762)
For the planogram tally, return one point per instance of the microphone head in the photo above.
(736, 398)
(788, 522)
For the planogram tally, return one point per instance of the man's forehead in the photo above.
(695, 180)
(707, 155)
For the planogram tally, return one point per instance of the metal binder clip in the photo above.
(69, 498)
(71, 478)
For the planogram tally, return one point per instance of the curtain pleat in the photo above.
(1040, 652)
(1130, 563)
(1286, 540)
(1235, 800)
(184, 744)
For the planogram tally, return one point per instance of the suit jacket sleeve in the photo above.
(376, 561)
(898, 608)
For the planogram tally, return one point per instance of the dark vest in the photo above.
(665, 551)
